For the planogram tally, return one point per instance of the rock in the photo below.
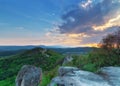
(77, 77)
(29, 76)
(67, 59)
(65, 70)
(44, 51)
(47, 55)
(112, 75)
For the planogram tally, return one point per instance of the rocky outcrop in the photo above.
(65, 70)
(29, 76)
(67, 59)
(69, 76)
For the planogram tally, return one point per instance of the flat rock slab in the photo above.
(85, 78)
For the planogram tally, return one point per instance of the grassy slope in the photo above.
(10, 66)
(94, 60)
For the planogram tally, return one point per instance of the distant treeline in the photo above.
(8, 53)
(77, 50)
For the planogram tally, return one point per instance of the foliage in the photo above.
(94, 60)
(48, 75)
(8, 82)
(49, 61)
(107, 55)
(111, 41)
(10, 66)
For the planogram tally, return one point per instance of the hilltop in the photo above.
(39, 57)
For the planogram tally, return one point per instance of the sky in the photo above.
(57, 22)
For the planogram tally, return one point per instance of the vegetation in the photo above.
(107, 55)
(39, 57)
(111, 41)
(8, 82)
(95, 60)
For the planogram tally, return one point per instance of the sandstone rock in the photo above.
(29, 76)
(67, 59)
(84, 78)
(62, 71)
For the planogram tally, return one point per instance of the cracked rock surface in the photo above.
(71, 76)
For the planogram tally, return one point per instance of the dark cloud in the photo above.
(95, 38)
(81, 20)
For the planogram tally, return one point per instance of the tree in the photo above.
(111, 41)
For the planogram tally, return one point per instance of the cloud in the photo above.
(91, 17)
(87, 23)
(112, 22)
(86, 4)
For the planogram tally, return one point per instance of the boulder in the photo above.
(62, 71)
(29, 76)
(67, 59)
(74, 77)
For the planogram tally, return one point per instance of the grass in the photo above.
(92, 61)
(10, 66)
(8, 82)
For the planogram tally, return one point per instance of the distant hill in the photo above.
(8, 53)
(12, 50)
(76, 50)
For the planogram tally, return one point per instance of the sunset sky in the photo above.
(57, 22)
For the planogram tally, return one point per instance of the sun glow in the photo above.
(77, 35)
(112, 22)
(91, 45)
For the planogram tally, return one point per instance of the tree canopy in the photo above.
(111, 41)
